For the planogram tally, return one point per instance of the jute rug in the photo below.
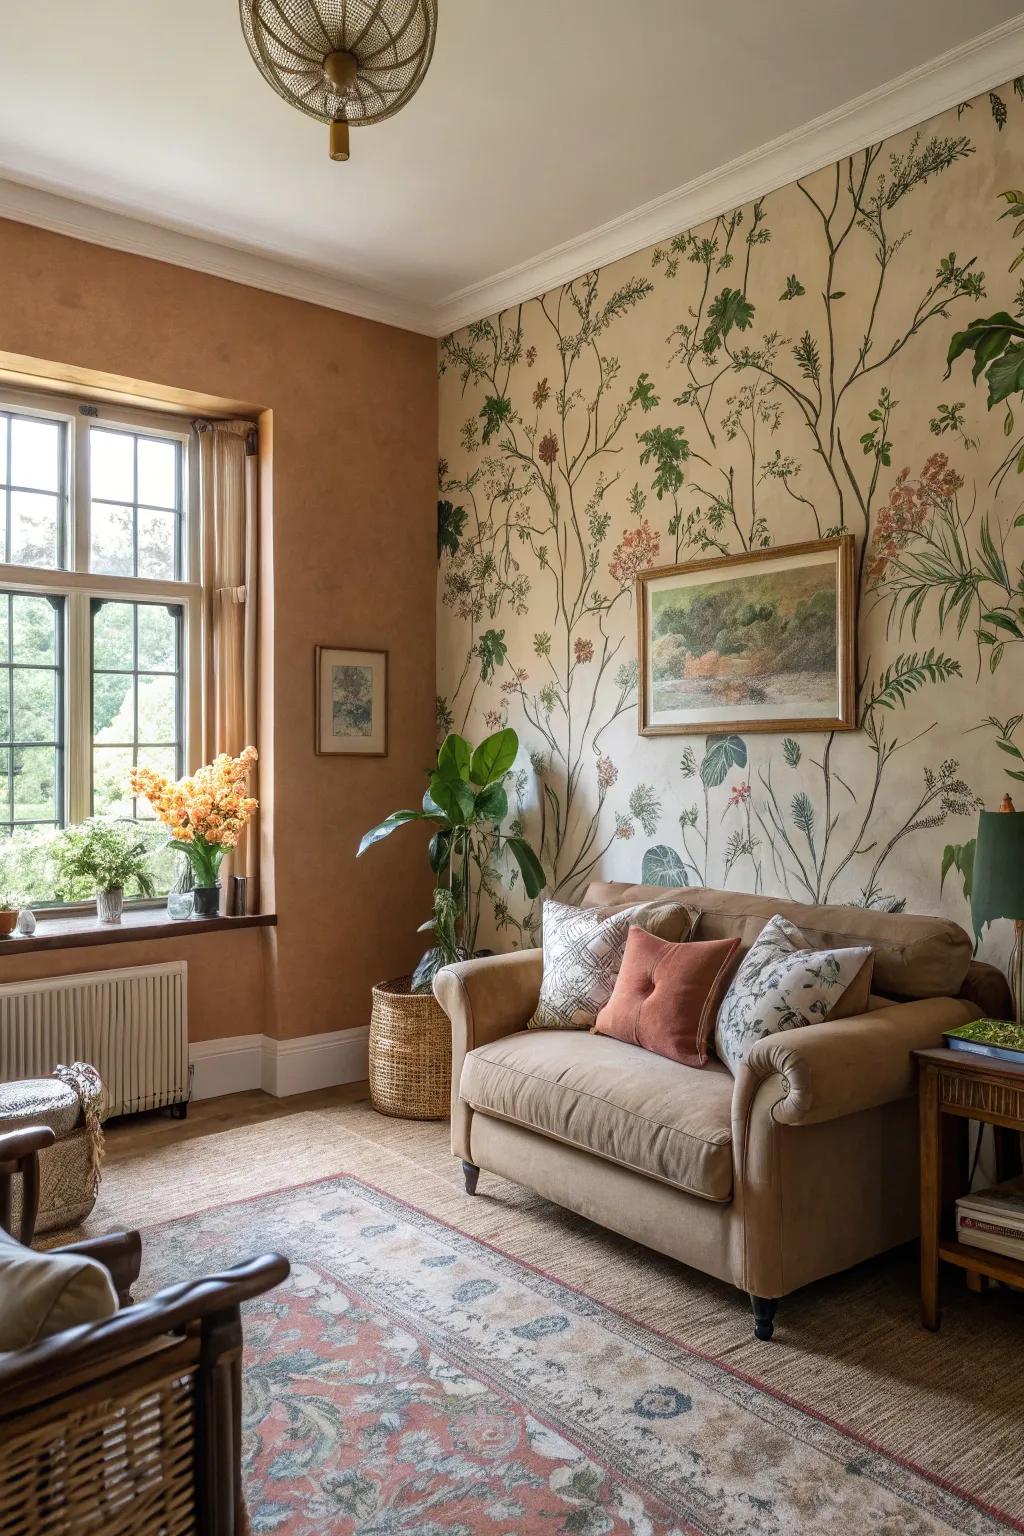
(949, 1406)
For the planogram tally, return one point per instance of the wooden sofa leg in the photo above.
(764, 1316)
(471, 1174)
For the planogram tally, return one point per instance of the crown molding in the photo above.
(65, 215)
(964, 72)
(986, 61)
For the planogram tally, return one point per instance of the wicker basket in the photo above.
(410, 1053)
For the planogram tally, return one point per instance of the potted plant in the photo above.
(206, 813)
(105, 856)
(8, 914)
(464, 805)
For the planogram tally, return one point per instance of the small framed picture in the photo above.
(351, 702)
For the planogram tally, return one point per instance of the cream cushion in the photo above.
(616, 1100)
(44, 1293)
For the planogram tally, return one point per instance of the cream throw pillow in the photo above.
(44, 1293)
(583, 949)
(783, 983)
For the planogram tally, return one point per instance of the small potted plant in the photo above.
(8, 914)
(206, 813)
(105, 856)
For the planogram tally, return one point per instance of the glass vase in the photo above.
(109, 904)
(207, 900)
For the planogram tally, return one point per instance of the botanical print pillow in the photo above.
(583, 952)
(783, 984)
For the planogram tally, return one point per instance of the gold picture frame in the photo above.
(350, 702)
(794, 603)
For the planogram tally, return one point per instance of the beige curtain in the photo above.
(228, 489)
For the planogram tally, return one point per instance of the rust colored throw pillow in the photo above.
(666, 995)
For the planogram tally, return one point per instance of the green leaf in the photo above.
(439, 850)
(793, 289)
(450, 523)
(453, 758)
(959, 856)
(840, 293)
(495, 412)
(494, 757)
(492, 650)
(663, 866)
(669, 449)
(1003, 621)
(534, 878)
(1006, 376)
(721, 754)
(491, 804)
(729, 309)
(382, 830)
(791, 751)
(454, 798)
(643, 393)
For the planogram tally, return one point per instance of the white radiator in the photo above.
(131, 1025)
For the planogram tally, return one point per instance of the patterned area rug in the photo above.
(410, 1378)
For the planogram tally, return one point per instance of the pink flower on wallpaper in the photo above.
(531, 356)
(584, 650)
(739, 794)
(493, 719)
(624, 828)
(607, 773)
(910, 506)
(513, 684)
(541, 393)
(639, 549)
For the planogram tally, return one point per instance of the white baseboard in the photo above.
(280, 1067)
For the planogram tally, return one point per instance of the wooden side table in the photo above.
(970, 1087)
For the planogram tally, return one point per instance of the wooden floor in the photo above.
(133, 1134)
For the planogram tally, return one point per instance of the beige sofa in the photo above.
(802, 1165)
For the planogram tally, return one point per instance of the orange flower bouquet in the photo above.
(206, 811)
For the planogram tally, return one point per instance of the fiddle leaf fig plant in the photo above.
(466, 804)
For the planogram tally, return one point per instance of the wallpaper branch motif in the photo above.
(776, 375)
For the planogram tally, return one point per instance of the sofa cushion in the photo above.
(666, 996)
(583, 951)
(44, 1293)
(914, 956)
(625, 1104)
(783, 983)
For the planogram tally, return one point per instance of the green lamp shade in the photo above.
(998, 886)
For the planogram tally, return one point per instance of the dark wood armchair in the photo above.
(132, 1424)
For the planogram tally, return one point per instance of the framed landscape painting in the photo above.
(762, 641)
(351, 702)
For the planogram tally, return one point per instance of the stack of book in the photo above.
(993, 1219)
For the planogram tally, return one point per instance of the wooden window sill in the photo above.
(83, 930)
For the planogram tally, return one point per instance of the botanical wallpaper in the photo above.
(775, 375)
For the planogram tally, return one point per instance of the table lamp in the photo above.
(998, 886)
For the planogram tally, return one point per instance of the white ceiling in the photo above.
(539, 123)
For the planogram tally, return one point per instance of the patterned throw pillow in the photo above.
(783, 983)
(583, 951)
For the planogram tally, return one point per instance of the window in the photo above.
(100, 621)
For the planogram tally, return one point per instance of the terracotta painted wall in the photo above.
(767, 378)
(353, 421)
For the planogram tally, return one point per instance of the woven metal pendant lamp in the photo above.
(345, 62)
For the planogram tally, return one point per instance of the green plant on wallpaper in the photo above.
(770, 395)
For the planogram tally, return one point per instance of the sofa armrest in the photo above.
(485, 1000)
(825, 1071)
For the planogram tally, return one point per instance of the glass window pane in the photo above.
(35, 714)
(158, 472)
(110, 793)
(5, 784)
(35, 630)
(113, 539)
(35, 523)
(158, 638)
(5, 421)
(113, 707)
(5, 711)
(112, 465)
(35, 454)
(112, 637)
(35, 784)
(158, 709)
(158, 544)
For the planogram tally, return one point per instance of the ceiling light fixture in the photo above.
(345, 62)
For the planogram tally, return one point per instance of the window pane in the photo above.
(113, 540)
(158, 638)
(35, 784)
(35, 454)
(113, 707)
(158, 544)
(158, 472)
(35, 630)
(110, 793)
(112, 465)
(35, 524)
(35, 713)
(158, 709)
(113, 645)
